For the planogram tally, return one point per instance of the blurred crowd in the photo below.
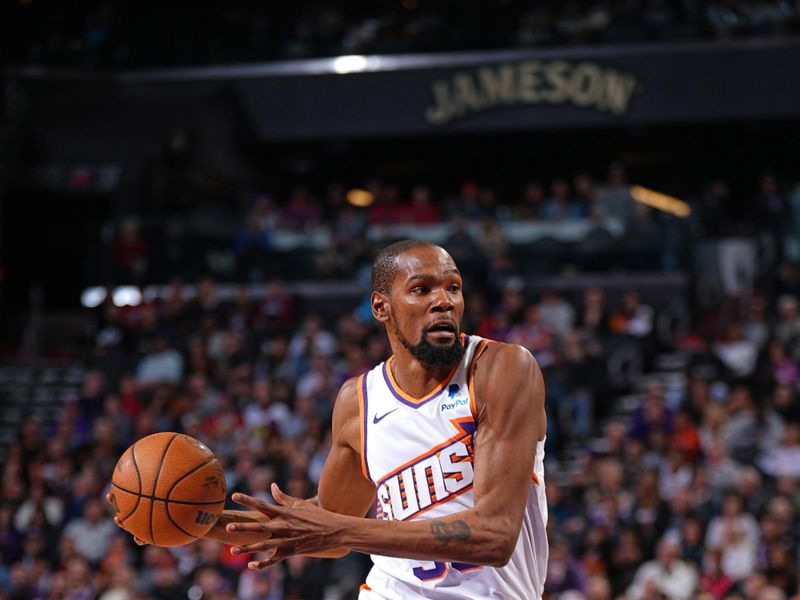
(109, 34)
(691, 492)
(680, 482)
(576, 223)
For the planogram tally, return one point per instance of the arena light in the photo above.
(126, 295)
(360, 198)
(659, 201)
(93, 297)
(352, 63)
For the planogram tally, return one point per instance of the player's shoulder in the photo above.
(506, 372)
(510, 363)
(345, 422)
(502, 356)
(347, 398)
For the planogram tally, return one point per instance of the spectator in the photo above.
(303, 212)
(737, 353)
(129, 253)
(122, 585)
(422, 210)
(614, 198)
(735, 534)
(252, 249)
(92, 533)
(784, 460)
(162, 364)
(533, 335)
(787, 330)
(563, 572)
(312, 339)
(653, 416)
(585, 194)
(560, 206)
(712, 579)
(667, 575)
(532, 204)
(594, 316)
(557, 315)
(633, 318)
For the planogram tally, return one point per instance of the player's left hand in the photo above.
(295, 526)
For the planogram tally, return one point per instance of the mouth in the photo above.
(442, 331)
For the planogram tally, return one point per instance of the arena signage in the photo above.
(468, 92)
(530, 82)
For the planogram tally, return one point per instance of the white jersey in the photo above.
(419, 454)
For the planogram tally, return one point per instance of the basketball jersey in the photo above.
(419, 454)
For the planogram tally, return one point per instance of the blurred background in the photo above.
(191, 197)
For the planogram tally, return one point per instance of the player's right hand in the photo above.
(110, 499)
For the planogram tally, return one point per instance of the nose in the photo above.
(442, 302)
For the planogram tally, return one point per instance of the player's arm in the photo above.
(511, 419)
(342, 487)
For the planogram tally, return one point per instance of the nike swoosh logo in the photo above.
(376, 419)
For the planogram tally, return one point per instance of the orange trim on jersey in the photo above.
(398, 390)
(364, 587)
(473, 406)
(468, 569)
(535, 478)
(438, 502)
(362, 424)
(457, 437)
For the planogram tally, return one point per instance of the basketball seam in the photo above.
(185, 475)
(139, 479)
(157, 499)
(155, 484)
(176, 482)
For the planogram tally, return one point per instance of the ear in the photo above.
(380, 307)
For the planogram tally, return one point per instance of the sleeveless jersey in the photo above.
(419, 454)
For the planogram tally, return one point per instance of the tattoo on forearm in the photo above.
(444, 531)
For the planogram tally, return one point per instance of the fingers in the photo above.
(257, 504)
(261, 527)
(279, 543)
(279, 555)
(263, 564)
(284, 499)
(250, 548)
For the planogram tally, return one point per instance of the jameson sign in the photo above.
(530, 82)
(483, 91)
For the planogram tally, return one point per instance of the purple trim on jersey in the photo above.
(403, 400)
(366, 422)
(464, 342)
(470, 428)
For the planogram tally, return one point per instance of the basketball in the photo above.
(168, 489)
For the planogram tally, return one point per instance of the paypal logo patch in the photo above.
(455, 404)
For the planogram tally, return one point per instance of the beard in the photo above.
(430, 355)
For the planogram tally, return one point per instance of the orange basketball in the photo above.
(168, 489)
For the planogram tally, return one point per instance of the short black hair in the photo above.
(385, 266)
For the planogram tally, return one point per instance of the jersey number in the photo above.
(439, 570)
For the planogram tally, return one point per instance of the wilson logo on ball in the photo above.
(203, 518)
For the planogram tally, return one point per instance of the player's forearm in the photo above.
(461, 537)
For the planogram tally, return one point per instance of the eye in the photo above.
(455, 288)
(421, 289)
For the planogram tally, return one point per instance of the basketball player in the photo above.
(447, 435)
